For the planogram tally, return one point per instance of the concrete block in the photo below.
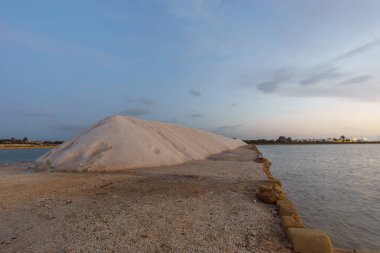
(270, 193)
(286, 208)
(291, 222)
(267, 197)
(306, 240)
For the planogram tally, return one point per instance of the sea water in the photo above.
(21, 155)
(334, 187)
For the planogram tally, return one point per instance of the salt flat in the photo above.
(199, 206)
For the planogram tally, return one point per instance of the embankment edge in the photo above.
(302, 239)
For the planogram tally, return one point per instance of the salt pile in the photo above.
(123, 142)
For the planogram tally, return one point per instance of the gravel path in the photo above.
(202, 206)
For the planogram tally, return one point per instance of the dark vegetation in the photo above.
(288, 140)
(25, 140)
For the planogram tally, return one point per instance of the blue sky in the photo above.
(249, 69)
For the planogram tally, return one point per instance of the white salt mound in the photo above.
(122, 142)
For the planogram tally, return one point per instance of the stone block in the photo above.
(291, 222)
(267, 197)
(286, 208)
(306, 240)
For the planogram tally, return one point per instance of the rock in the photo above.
(286, 208)
(306, 240)
(267, 197)
(291, 222)
(265, 188)
(270, 193)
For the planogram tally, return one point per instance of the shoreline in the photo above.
(299, 236)
(315, 143)
(24, 146)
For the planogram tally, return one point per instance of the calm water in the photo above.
(335, 187)
(21, 155)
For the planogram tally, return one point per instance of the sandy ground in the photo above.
(201, 206)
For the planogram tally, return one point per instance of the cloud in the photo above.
(359, 50)
(195, 115)
(269, 86)
(71, 127)
(195, 93)
(327, 83)
(278, 77)
(316, 74)
(323, 80)
(146, 101)
(321, 73)
(171, 120)
(139, 106)
(229, 127)
(358, 79)
(142, 101)
(135, 112)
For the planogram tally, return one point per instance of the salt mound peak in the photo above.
(123, 142)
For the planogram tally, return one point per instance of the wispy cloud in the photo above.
(139, 106)
(278, 77)
(229, 127)
(195, 115)
(135, 112)
(322, 72)
(323, 80)
(359, 50)
(354, 80)
(146, 101)
(195, 93)
(141, 101)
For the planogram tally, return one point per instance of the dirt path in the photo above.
(202, 206)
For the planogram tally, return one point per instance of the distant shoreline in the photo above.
(24, 146)
(311, 143)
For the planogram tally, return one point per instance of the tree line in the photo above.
(26, 140)
(289, 140)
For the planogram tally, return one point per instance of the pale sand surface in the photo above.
(200, 206)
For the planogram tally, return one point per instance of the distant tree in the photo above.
(25, 140)
(342, 138)
(283, 139)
